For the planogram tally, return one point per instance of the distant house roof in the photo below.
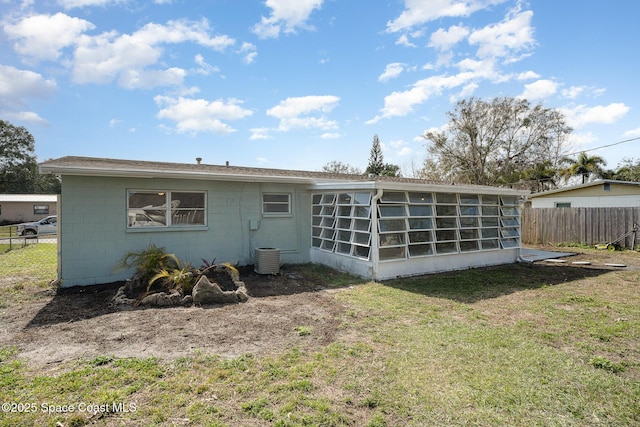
(585, 185)
(89, 166)
(28, 198)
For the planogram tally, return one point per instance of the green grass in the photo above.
(505, 346)
(26, 271)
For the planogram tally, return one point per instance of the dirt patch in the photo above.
(82, 322)
(52, 327)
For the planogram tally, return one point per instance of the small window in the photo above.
(606, 187)
(41, 209)
(563, 204)
(276, 204)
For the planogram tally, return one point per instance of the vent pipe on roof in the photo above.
(227, 163)
(198, 160)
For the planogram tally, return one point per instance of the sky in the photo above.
(296, 84)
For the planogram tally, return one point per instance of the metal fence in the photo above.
(589, 226)
(10, 239)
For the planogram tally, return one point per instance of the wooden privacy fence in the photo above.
(590, 226)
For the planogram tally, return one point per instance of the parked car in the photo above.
(48, 225)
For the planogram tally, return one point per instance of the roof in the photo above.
(585, 185)
(90, 166)
(29, 198)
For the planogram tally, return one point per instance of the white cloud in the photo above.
(403, 40)
(125, 58)
(249, 52)
(302, 112)
(70, 4)
(330, 135)
(391, 71)
(418, 12)
(445, 39)
(200, 115)
(402, 103)
(17, 86)
(25, 116)
(582, 115)
(539, 89)
(260, 133)
(287, 16)
(527, 75)
(505, 38)
(44, 36)
(632, 133)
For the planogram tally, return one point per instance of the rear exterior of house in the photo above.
(373, 227)
(596, 194)
(15, 208)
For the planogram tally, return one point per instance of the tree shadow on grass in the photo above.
(477, 284)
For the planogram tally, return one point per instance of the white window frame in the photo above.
(266, 213)
(165, 211)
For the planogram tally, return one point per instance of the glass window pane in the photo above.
(489, 210)
(446, 248)
(420, 197)
(393, 197)
(361, 252)
(344, 210)
(344, 223)
(509, 243)
(467, 222)
(316, 231)
(361, 224)
(361, 238)
(489, 222)
(489, 244)
(420, 236)
(443, 235)
(510, 222)
(362, 198)
(392, 239)
(147, 209)
(471, 245)
(316, 199)
(510, 200)
(327, 233)
(328, 199)
(446, 223)
(275, 198)
(316, 242)
(344, 199)
(275, 208)
(361, 211)
(510, 211)
(343, 248)
(420, 223)
(509, 232)
(420, 250)
(344, 236)
(327, 245)
(392, 225)
(388, 211)
(468, 199)
(446, 198)
(316, 220)
(468, 210)
(489, 232)
(327, 210)
(489, 200)
(468, 233)
(420, 210)
(446, 210)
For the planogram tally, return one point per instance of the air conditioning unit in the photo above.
(267, 261)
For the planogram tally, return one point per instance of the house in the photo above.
(375, 227)
(596, 194)
(16, 208)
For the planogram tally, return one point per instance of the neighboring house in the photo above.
(596, 194)
(16, 208)
(375, 227)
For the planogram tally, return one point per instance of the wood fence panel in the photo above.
(589, 226)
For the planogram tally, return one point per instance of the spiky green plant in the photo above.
(148, 262)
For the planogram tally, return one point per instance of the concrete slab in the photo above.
(538, 255)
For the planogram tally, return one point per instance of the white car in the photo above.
(48, 225)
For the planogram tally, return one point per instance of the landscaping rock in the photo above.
(205, 292)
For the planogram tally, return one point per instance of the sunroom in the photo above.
(383, 230)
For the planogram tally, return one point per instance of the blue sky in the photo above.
(297, 84)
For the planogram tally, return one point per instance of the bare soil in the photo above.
(63, 325)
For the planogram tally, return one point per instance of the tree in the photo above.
(628, 170)
(491, 142)
(584, 166)
(376, 165)
(18, 165)
(339, 167)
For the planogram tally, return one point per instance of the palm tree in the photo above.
(584, 166)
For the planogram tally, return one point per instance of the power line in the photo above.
(604, 146)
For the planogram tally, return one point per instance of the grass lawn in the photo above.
(515, 345)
